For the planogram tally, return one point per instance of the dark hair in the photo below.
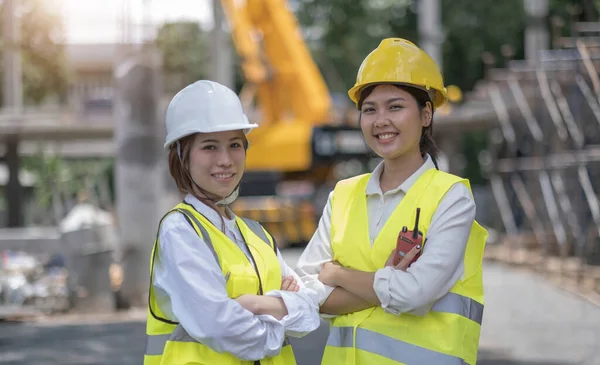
(427, 143)
(179, 170)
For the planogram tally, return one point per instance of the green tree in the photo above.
(44, 65)
(185, 56)
(341, 33)
(344, 31)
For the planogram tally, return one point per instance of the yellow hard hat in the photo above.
(399, 61)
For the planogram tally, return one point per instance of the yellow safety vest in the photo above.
(449, 333)
(167, 343)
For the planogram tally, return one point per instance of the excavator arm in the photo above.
(282, 81)
(295, 147)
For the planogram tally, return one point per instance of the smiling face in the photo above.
(392, 121)
(217, 161)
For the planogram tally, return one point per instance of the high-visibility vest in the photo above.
(167, 342)
(449, 333)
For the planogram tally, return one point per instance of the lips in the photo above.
(386, 137)
(223, 176)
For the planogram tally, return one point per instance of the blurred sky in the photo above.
(101, 21)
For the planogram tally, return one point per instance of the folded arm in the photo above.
(332, 300)
(433, 275)
(301, 307)
(341, 301)
(189, 283)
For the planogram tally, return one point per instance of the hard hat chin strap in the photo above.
(231, 198)
(179, 151)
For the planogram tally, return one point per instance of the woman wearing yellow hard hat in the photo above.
(397, 256)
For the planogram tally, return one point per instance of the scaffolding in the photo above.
(544, 165)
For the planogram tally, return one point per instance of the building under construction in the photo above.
(543, 159)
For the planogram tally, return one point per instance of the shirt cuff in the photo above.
(381, 285)
(303, 313)
(327, 290)
(275, 336)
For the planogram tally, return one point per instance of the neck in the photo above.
(396, 171)
(203, 197)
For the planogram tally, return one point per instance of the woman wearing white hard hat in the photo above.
(220, 291)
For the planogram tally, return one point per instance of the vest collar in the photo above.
(374, 188)
(208, 212)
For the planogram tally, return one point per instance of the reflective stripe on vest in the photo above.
(390, 348)
(257, 229)
(458, 304)
(449, 303)
(155, 344)
(205, 236)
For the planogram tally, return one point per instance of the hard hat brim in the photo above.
(354, 92)
(246, 128)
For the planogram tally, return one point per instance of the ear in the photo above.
(427, 115)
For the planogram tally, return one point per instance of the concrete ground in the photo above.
(527, 321)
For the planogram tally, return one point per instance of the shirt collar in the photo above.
(207, 211)
(373, 186)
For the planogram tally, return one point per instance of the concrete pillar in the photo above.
(430, 33)
(140, 166)
(14, 190)
(12, 93)
(221, 69)
(537, 35)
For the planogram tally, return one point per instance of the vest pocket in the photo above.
(238, 284)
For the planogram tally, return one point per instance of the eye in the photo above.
(368, 110)
(396, 107)
(209, 147)
(236, 145)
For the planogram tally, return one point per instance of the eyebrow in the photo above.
(216, 141)
(387, 101)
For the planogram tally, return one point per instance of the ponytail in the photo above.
(427, 144)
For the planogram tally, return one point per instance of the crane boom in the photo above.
(281, 76)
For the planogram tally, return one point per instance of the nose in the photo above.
(381, 120)
(224, 158)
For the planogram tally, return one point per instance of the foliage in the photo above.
(44, 66)
(343, 32)
(56, 176)
(185, 55)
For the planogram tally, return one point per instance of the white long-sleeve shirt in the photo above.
(429, 278)
(190, 289)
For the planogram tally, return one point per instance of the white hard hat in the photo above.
(205, 107)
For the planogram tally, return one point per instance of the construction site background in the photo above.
(84, 178)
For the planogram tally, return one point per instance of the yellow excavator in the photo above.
(294, 151)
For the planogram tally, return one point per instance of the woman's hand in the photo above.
(289, 284)
(329, 272)
(405, 262)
